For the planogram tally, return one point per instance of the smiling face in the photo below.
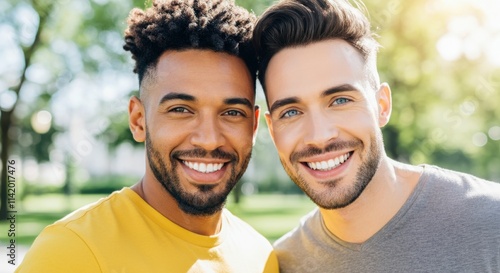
(198, 120)
(324, 119)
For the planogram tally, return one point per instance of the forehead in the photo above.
(201, 73)
(313, 68)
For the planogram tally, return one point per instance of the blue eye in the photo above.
(290, 113)
(341, 101)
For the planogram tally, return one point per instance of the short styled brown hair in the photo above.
(300, 22)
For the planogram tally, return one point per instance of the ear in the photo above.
(269, 123)
(256, 123)
(137, 119)
(384, 101)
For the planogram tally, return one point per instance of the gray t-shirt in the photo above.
(450, 223)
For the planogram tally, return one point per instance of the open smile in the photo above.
(329, 164)
(203, 167)
(209, 171)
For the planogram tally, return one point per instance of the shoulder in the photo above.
(58, 249)
(240, 236)
(70, 238)
(295, 250)
(463, 184)
(241, 229)
(462, 195)
(308, 230)
(103, 208)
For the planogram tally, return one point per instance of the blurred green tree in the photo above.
(439, 59)
(7, 111)
(56, 42)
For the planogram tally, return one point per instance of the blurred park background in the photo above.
(65, 82)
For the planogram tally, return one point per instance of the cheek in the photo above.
(241, 135)
(363, 118)
(167, 134)
(241, 128)
(358, 124)
(286, 138)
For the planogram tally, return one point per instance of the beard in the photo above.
(335, 197)
(205, 201)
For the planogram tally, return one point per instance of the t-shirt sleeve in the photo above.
(59, 250)
(272, 264)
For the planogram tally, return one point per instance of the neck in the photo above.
(384, 196)
(157, 197)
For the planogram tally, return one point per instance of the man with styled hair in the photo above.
(196, 114)
(326, 107)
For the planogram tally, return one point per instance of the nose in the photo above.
(320, 129)
(208, 134)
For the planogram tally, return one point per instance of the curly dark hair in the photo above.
(292, 23)
(217, 25)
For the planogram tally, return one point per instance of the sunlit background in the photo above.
(65, 82)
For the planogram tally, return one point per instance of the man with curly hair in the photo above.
(196, 114)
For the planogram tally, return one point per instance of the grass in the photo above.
(270, 214)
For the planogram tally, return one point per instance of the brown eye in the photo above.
(179, 110)
(234, 113)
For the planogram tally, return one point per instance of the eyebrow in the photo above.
(280, 103)
(283, 102)
(176, 96)
(182, 96)
(340, 88)
(243, 101)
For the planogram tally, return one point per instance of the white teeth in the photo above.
(203, 167)
(328, 165)
(331, 162)
(324, 165)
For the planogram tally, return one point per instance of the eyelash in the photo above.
(284, 115)
(232, 113)
(335, 102)
(346, 100)
(237, 113)
(179, 110)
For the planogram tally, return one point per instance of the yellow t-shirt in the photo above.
(123, 234)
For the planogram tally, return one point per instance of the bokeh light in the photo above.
(41, 121)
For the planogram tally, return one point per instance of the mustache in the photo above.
(334, 146)
(202, 153)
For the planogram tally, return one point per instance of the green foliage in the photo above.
(255, 6)
(106, 184)
(439, 105)
(117, 131)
